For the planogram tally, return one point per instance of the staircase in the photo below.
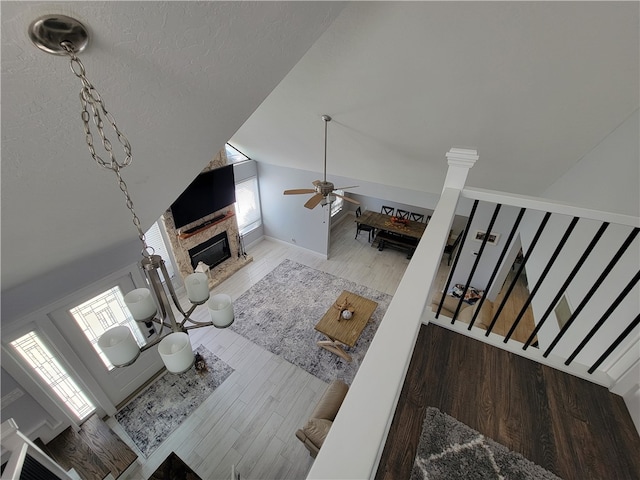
(95, 452)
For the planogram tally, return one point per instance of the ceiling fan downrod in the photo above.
(326, 119)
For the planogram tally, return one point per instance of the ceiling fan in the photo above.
(324, 191)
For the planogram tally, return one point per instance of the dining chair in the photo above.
(416, 217)
(451, 248)
(363, 228)
(402, 213)
(386, 210)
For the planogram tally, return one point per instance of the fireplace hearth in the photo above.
(212, 252)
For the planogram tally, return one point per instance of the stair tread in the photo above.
(70, 451)
(108, 446)
(94, 451)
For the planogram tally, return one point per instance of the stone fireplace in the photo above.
(216, 244)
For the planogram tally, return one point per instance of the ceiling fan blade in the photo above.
(314, 201)
(298, 191)
(344, 188)
(347, 198)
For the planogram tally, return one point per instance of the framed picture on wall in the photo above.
(492, 240)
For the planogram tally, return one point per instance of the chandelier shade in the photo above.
(141, 304)
(197, 285)
(221, 310)
(119, 346)
(176, 352)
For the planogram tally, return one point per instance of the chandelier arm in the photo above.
(197, 324)
(174, 297)
(187, 315)
(151, 266)
(153, 343)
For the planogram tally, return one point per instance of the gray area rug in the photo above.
(450, 449)
(279, 313)
(149, 418)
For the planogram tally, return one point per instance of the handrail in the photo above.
(20, 446)
(354, 444)
(535, 203)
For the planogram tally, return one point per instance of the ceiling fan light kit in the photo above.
(325, 192)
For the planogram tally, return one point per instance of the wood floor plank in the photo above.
(108, 447)
(565, 424)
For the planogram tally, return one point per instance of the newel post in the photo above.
(460, 162)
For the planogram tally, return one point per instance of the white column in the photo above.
(460, 160)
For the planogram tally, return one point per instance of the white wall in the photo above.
(607, 178)
(502, 226)
(624, 270)
(284, 216)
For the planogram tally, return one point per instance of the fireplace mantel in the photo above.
(181, 246)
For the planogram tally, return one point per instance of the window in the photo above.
(40, 358)
(154, 239)
(234, 155)
(248, 205)
(338, 203)
(102, 312)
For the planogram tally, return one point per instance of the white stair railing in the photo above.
(26, 460)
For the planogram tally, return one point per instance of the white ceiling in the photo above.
(532, 86)
(179, 77)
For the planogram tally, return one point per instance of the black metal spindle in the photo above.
(477, 260)
(604, 318)
(552, 260)
(507, 244)
(592, 290)
(455, 259)
(536, 237)
(615, 343)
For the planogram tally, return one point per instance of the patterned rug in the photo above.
(450, 449)
(149, 418)
(280, 311)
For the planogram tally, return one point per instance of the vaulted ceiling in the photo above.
(533, 86)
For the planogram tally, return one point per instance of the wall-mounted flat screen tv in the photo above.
(209, 192)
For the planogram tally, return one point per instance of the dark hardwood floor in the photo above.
(572, 427)
(94, 451)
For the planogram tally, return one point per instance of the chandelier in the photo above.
(62, 35)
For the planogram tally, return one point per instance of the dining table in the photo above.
(382, 221)
(390, 230)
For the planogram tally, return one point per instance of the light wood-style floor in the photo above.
(251, 419)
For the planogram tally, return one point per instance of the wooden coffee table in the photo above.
(345, 332)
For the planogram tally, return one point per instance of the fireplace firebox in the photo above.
(212, 252)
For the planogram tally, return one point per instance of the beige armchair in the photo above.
(321, 419)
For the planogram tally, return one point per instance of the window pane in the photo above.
(248, 205)
(154, 239)
(338, 203)
(40, 358)
(102, 312)
(234, 155)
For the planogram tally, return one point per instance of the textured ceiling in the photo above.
(179, 77)
(533, 86)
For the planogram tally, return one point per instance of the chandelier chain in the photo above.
(90, 97)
